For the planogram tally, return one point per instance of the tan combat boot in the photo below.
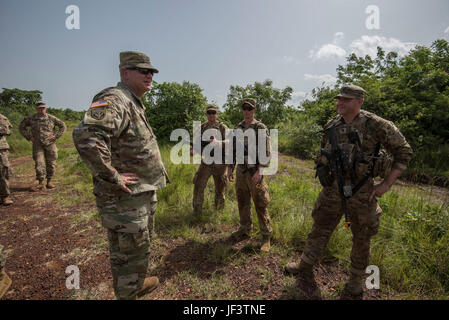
(40, 186)
(149, 285)
(49, 184)
(353, 289)
(265, 244)
(308, 288)
(6, 201)
(292, 267)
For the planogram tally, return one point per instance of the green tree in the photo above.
(172, 105)
(272, 107)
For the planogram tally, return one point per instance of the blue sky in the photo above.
(212, 43)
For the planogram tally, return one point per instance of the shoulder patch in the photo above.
(100, 103)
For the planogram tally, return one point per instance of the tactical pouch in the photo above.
(323, 173)
(383, 165)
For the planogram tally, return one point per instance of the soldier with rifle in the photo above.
(349, 161)
(250, 183)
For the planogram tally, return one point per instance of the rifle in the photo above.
(338, 162)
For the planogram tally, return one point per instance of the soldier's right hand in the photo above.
(128, 179)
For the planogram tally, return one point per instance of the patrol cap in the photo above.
(351, 91)
(40, 104)
(249, 102)
(212, 107)
(136, 59)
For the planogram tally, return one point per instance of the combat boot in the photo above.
(6, 201)
(308, 288)
(49, 184)
(353, 289)
(240, 234)
(292, 267)
(265, 244)
(149, 285)
(40, 186)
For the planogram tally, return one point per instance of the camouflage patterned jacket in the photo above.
(115, 137)
(41, 127)
(5, 130)
(255, 125)
(372, 130)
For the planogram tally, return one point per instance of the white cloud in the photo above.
(367, 45)
(329, 79)
(330, 50)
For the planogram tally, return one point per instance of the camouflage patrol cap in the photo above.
(249, 102)
(40, 104)
(351, 91)
(136, 59)
(212, 107)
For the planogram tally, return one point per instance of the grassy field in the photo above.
(411, 248)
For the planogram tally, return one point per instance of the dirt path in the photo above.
(42, 238)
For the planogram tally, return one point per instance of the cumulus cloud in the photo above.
(330, 50)
(367, 45)
(327, 78)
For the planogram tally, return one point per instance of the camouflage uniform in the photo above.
(218, 171)
(363, 215)
(245, 188)
(115, 137)
(45, 152)
(5, 281)
(5, 167)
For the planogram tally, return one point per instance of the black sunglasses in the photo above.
(211, 112)
(247, 108)
(144, 71)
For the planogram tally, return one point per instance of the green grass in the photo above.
(411, 248)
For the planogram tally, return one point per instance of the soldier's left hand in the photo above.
(52, 138)
(379, 190)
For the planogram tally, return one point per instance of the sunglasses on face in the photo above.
(247, 108)
(211, 112)
(142, 70)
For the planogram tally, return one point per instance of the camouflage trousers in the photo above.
(45, 160)
(2, 258)
(218, 171)
(327, 213)
(5, 172)
(129, 239)
(245, 190)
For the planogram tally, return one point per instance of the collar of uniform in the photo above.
(242, 124)
(130, 92)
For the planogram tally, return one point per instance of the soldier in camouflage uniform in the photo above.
(5, 167)
(217, 170)
(362, 208)
(5, 281)
(39, 128)
(250, 182)
(118, 145)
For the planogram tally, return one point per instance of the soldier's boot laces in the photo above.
(6, 201)
(353, 289)
(149, 285)
(49, 184)
(265, 244)
(308, 288)
(240, 234)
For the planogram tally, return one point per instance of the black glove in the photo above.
(323, 173)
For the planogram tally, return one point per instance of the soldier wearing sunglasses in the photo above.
(216, 170)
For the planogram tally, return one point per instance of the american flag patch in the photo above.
(102, 103)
